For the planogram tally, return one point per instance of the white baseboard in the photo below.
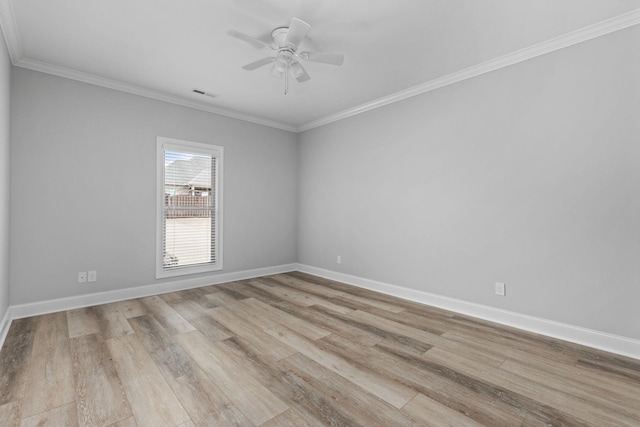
(608, 342)
(4, 326)
(61, 304)
(600, 340)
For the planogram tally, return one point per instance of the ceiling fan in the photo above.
(286, 58)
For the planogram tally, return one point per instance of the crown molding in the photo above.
(145, 92)
(10, 30)
(11, 34)
(584, 34)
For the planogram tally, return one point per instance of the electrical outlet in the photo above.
(93, 276)
(501, 289)
(339, 259)
(82, 277)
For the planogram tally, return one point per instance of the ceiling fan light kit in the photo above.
(286, 61)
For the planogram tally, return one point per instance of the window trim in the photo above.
(171, 144)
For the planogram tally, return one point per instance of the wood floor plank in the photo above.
(131, 308)
(50, 370)
(327, 297)
(344, 395)
(200, 296)
(372, 329)
(205, 403)
(256, 339)
(255, 401)
(243, 289)
(15, 358)
(498, 351)
(221, 299)
(409, 369)
(353, 304)
(295, 283)
(168, 356)
(396, 327)
(210, 289)
(112, 322)
(326, 320)
(435, 325)
(427, 338)
(188, 304)
(388, 390)
(359, 295)
(291, 295)
(299, 297)
(302, 398)
(233, 290)
(429, 413)
(173, 322)
(613, 386)
(508, 343)
(152, 400)
(100, 396)
(210, 327)
(308, 400)
(10, 414)
(371, 302)
(64, 415)
(586, 390)
(267, 316)
(106, 320)
(82, 321)
(291, 418)
(316, 390)
(536, 399)
(620, 371)
(129, 422)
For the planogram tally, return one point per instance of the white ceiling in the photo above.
(393, 49)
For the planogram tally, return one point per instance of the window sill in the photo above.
(185, 271)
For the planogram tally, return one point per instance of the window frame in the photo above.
(170, 144)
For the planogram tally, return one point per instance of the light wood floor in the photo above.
(295, 350)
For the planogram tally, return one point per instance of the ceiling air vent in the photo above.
(202, 92)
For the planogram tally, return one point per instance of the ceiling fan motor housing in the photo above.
(279, 36)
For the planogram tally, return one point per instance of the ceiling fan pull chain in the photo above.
(286, 81)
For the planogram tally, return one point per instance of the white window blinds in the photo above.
(190, 206)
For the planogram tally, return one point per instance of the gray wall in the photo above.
(529, 175)
(83, 186)
(5, 80)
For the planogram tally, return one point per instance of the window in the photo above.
(189, 211)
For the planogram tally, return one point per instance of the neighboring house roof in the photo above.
(194, 172)
(202, 180)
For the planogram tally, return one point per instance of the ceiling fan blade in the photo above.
(259, 63)
(324, 58)
(251, 40)
(301, 75)
(297, 31)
